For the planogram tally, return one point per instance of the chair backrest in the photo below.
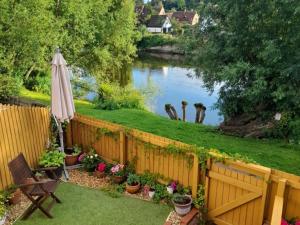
(19, 169)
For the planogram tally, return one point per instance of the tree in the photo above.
(251, 49)
(181, 4)
(97, 36)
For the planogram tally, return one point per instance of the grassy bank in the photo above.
(271, 153)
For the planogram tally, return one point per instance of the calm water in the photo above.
(174, 83)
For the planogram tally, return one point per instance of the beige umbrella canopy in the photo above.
(62, 104)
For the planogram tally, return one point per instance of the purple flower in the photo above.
(173, 185)
(81, 157)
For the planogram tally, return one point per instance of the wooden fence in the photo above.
(236, 193)
(22, 129)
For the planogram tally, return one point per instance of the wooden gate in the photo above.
(236, 193)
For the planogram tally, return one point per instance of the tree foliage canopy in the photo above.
(251, 49)
(97, 36)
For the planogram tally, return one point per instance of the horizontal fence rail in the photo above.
(22, 129)
(236, 193)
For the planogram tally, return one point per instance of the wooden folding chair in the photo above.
(37, 191)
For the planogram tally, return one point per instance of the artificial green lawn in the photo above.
(271, 153)
(84, 206)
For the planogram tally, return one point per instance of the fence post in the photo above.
(278, 203)
(122, 147)
(69, 136)
(195, 176)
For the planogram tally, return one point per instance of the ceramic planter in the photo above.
(15, 197)
(71, 160)
(151, 194)
(117, 179)
(132, 189)
(170, 190)
(183, 209)
(99, 174)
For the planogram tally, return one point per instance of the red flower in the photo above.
(101, 167)
(284, 222)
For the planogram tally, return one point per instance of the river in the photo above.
(173, 82)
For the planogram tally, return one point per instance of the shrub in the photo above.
(2, 205)
(90, 161)
(9, 87)
(133, 179)
(151, 40)
(112, 96)
(40, 83)
(160, 192)
(294, 127)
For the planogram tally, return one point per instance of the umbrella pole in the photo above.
(61, 139)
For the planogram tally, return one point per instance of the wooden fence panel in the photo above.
(22, 129)
(236, 193)
(236, 196)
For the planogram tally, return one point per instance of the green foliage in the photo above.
(112, 96)
(53, 158)
(133, 179)
(252, 49)
(76, 150)
(181, 199)
(149, 179)
(294, 126)
(9, 87)
(152, 40)
(40, 82)
(2, 205)
(160, 193)
(199, 202)
(95, 35)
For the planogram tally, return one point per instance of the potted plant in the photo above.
(14, 196)
(133, 183)
(72, 155)
(100, 170)
(2, 210)
(292, 221)
(171, 187)
(151, 191)
(182, 203)
(90, 161)
(53, 158)
(118, 173)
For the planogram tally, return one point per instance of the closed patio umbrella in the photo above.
(62, 104)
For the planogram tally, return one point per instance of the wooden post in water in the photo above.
(200, 112)
(184, 104)
(171, 111)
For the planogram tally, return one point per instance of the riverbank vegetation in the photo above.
(252, 49)
(96, 36)
(272, 153)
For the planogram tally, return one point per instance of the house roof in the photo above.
(141, 11)
(157, 20)
(184, 16)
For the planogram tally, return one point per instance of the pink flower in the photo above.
(81, 157)
(101, 167)
(297, 222)
(284, 222)
(173, 185)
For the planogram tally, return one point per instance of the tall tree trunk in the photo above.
(29, 72)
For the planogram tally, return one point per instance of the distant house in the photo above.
(159, 24)
(188, 17)
(159, 10)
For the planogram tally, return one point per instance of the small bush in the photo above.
(151, 40)
(9, 87)
(40, 83)
(294, 127)
(112, 96)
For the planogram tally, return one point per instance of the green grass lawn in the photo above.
(271, 153)
(84, 206)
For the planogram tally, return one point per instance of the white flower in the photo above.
(91, 156)
(96, 155)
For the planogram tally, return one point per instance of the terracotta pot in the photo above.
(71, 160)
(15, 197)
(182, 210)
(117, 179)
(99, 174)
(132, 189)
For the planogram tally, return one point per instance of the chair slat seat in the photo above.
(35, 190)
